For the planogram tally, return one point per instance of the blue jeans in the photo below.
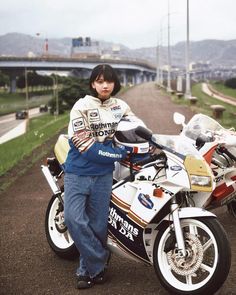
(86, 211)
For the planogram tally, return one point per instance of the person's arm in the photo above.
(82, 138)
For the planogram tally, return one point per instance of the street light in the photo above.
(169, 57)
(159, 70)
(55, 93)
(26, 92)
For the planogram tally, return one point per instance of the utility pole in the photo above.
(26, 92)
(158, 64)
(169, 57)
(188, 84)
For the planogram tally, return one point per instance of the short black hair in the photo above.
(108, 73)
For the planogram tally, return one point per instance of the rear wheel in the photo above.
(57, 233)
(207, 264)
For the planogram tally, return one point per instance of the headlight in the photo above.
(200, 180)
(200, 174)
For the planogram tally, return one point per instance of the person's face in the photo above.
(103, 88)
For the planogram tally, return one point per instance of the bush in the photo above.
(231, 83)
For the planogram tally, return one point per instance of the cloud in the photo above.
(134, 23)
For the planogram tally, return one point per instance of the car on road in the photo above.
(23, 114)
(43, 108)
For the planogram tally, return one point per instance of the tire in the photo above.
(56, 231)
(232, 208)
(206, 268)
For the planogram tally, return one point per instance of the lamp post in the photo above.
(188, 85)
(169, 55)
(26, 92)
(55, 93)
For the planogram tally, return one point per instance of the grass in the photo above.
(40, 130)
(220, 87)
(203, 106)
(12, 102)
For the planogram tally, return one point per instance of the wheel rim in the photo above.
(196, 270)
(57, 229)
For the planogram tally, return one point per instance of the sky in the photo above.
(133, 23)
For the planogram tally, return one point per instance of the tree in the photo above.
(4, 80)
(231, 83)
(72, 90)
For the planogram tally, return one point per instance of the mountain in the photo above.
(217, 52)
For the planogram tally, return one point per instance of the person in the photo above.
(88, 171)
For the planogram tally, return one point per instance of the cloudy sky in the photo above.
(134, 23)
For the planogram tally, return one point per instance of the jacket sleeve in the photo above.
(82, 138)
(104, 153)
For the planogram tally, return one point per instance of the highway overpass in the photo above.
(129, 71)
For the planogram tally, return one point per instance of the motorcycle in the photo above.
(218, 146)
(148, 221)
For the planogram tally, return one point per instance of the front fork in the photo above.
(52, 181)
(178, 230)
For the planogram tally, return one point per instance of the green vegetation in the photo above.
(12, 102)
(203, 106)
(221, 87)
(40, 130)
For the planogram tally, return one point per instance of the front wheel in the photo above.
(207, 263)
(57, 234)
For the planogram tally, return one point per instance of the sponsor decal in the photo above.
(82, 134)
(145, 200)
(175, 168)
(110, 155)
(115, 108)
(103, 129)
(98, 126)
(93, 115)
(122, 225)
(117, 116)
(78, 124)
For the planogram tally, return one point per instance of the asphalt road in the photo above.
(8, 122)
(28, 266)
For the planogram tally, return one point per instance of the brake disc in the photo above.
(189, 264)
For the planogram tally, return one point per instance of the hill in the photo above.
(217, 52)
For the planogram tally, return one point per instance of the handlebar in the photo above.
(150, 159)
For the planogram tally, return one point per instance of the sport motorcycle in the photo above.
(218, 146)
(148, 221)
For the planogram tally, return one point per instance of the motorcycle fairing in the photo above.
(127, 234)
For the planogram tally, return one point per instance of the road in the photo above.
(207, 90)
(27, 264)
(10, 127)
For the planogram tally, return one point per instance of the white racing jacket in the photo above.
(91, 129)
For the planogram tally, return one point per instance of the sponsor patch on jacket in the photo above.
(93, 115)
(115, 108)
(145, 201)
(78, 124)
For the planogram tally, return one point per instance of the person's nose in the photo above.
(105, 84)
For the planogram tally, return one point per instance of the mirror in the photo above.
(179, 119)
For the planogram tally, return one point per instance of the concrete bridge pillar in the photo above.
(12, 74)
(123, 77)
(139, 77)
(13, 84)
